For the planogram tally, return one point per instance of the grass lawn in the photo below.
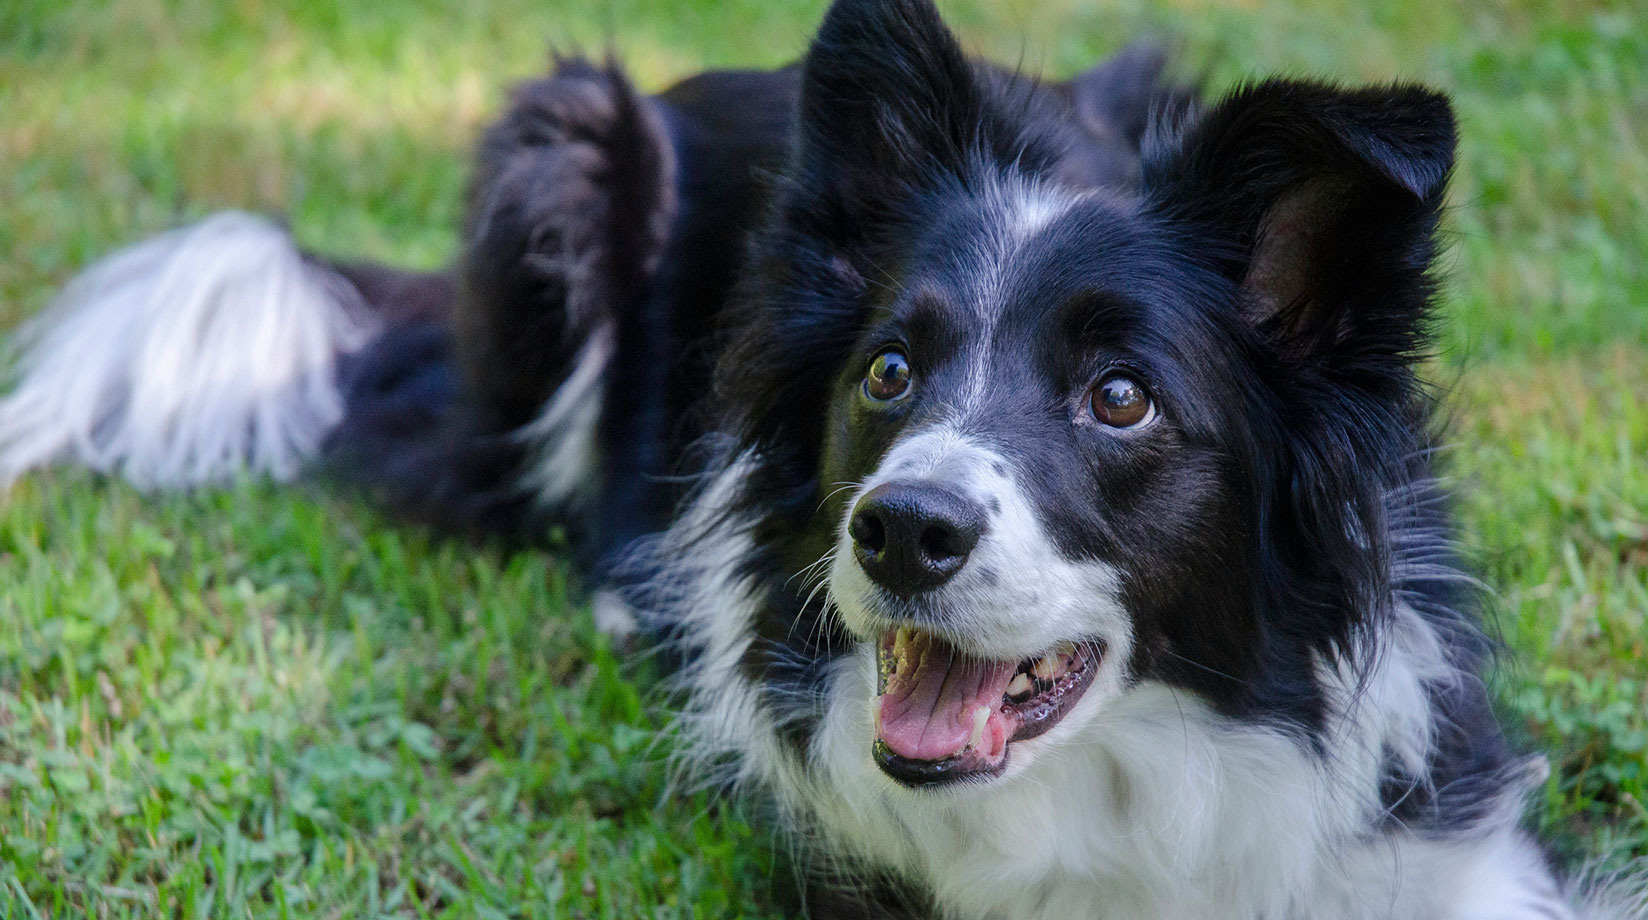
(272, 702)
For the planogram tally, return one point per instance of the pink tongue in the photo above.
(927, 711)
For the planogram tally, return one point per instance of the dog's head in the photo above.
(1055, 441)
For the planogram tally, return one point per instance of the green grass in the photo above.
(272, 702)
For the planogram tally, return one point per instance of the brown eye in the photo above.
(1120, 402)
(889, 376)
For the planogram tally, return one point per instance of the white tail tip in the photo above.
(185, 359)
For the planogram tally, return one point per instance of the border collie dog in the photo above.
(1030, 480)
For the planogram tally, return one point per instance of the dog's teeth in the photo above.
(1020, 685)
(981, 717)
(901, 640)
(1047, 666)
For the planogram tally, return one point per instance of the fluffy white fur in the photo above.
(185, 359)
(1604, 894)
(706, 605)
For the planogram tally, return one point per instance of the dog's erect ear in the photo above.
(888, 99)
(1324, 203)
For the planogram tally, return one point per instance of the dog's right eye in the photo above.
(1120, 402)
(888, 378)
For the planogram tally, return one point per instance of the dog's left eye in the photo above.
(888, 377)
(1121, 402)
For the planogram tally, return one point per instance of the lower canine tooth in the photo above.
(981, 717)
(1020, 685)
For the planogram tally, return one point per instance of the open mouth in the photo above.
(944, 716)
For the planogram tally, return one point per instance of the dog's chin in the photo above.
(947, 718)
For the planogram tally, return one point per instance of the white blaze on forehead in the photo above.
(1019, 210)
(1018, 594)
(1036, 208)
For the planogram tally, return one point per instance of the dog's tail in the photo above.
(186, 359)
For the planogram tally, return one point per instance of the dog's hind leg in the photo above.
(492, 420)
(569, 213)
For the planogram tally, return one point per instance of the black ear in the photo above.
(889, 101)
(1323, 204)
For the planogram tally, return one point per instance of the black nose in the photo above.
(911, 536)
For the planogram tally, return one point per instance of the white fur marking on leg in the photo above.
(564, 433)
(614, 617)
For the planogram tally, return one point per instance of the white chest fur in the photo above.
(1156, 807)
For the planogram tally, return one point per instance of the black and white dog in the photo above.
(1032, 479)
